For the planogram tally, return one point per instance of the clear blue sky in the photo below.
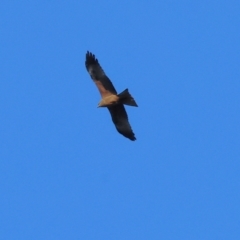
(66, 173)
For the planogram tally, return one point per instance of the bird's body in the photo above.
(110, 99)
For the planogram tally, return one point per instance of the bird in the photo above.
(110, 99)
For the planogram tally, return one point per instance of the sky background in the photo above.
(66, 173)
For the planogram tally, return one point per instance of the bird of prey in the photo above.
(110, 99)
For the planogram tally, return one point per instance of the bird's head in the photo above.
(101, 104)
(108, 101)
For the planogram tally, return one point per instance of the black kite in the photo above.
(110, 99)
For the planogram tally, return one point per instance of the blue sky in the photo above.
(66, 173)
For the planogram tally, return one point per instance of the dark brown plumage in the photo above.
(110, 99)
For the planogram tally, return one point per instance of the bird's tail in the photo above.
(127, 99)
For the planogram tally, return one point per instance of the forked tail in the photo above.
(127, 99)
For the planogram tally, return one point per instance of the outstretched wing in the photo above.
(120, 119)
(97, 74)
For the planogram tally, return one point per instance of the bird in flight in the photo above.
(110, 99)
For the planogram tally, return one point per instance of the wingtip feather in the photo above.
(90, 59)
